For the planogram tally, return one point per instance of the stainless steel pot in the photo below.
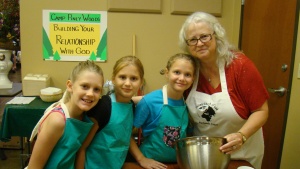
(201, 153)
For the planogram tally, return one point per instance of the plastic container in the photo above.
(51, 94)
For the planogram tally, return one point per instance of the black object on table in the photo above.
(2, 155)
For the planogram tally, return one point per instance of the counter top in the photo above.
(234, 164)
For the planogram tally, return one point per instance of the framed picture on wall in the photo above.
(71, 35)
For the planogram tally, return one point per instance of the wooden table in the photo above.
(234, 164)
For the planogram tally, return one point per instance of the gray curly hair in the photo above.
(224, 49)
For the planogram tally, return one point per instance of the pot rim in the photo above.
(198, 138)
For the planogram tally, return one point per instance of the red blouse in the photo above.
(245, 86)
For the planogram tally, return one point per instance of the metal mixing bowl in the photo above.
(201, 153)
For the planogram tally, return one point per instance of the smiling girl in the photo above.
(107, 148)
(64, 125)
(163, 115)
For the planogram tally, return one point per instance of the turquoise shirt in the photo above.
(109, 147)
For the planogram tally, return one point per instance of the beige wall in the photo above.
(156, 37)
(291, 148)
(156, 40)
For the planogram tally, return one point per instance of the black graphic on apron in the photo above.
(208, 113)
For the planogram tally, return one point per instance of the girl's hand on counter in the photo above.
(148, 163)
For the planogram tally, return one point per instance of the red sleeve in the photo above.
(246, 86)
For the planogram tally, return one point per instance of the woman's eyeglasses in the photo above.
(203, 38)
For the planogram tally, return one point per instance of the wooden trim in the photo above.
(142, 6)
(186, 7)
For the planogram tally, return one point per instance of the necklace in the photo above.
(206, 73)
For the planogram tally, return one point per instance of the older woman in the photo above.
(228, 98)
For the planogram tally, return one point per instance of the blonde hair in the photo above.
(83, 66)
(177, 56)
(128, 60)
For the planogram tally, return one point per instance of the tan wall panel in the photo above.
(189, 6)
(147, 6)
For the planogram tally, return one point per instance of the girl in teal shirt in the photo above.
(107, 148)
(162, 115)
(64, 125)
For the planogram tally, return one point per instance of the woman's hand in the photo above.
(255, 121)
(234, 143)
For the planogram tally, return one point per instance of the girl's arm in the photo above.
(136, 99)
(141, 159)
(51, 131)
(80, 158)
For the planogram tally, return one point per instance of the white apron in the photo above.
(214, 116)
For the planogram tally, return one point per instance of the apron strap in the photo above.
(46, 113)
(165, 95)
(222, 76)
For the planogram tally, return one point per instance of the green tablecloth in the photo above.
(19, 120)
